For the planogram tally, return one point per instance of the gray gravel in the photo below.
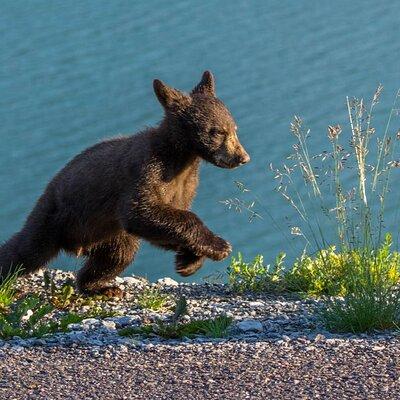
(256, 316)
(338, 369)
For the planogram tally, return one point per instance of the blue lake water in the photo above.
(73, 73)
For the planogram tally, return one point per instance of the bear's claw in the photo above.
(187, 263)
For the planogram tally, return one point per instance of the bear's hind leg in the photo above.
(105, 261)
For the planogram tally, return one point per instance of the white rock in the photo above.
(110, 325)
(167, 282)
(74, 327)
(28, 314)
(118, 279)
(256, 304)
(250, 325)
(90, 321)
(124, 320)
(132, 281)
(122, 348)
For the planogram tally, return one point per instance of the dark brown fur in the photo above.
(120, 190)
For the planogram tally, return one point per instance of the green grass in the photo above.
(152, 299)
(70, 318)
(8, 290)
(27, 317)
(214, 328)
(371, 293)
(363, 285)
(31, 317)
(363, 311)
(66, 298)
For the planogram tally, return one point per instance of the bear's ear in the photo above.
(206, 85)
(169, 97)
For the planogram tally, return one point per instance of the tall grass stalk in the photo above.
(371, 286)
(356, 211)
(346, 188)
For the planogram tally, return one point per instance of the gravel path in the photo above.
(276, 348)
(357, 369)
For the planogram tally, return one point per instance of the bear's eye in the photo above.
(216, 132)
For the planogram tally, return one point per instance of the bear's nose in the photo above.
(244, 159)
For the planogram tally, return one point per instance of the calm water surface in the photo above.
(72, 73)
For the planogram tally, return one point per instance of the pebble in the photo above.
(250, 325)
(133, 281)
(109, 324)
(167, 282)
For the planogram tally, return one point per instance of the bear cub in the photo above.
(129, 188)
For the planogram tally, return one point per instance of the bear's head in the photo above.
(203, 121)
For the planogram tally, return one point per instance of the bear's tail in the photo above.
(32, 247)
(10, 262)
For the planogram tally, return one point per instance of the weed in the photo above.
(130, 331)
(152, 299)
(372, 297)
(337, 274)
(8, 290)
(255, 276)
(24, 319)
(61, 297)
(97, 311)
(70, 318)
(65, 297)
(215, 328)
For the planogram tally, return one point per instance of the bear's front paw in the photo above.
(187, 263)
(218, 249)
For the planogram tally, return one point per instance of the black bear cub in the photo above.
(121, 190)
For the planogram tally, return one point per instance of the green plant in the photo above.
(255, 276)
(371, 292)
(61, 297)
(339, 273)
(322, 274)
(8, 290)
(70, 318)
(97, 311)
(146, 330)
(25, 319)
(65, 297)
(174, 329)
(363, 311)
(217, 327)
(152, 299)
